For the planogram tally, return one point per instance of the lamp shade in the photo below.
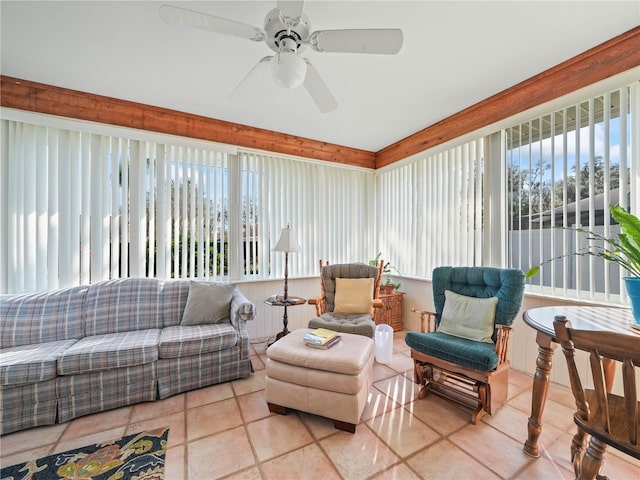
(287, 242)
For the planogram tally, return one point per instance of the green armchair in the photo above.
(464, 353)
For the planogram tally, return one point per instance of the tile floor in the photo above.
(226, 431)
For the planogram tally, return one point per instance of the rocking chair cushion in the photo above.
(468, 353)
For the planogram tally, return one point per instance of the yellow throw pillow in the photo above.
(354, 295)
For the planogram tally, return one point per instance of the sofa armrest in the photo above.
(242, 310)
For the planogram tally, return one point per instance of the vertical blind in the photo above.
(564, 169)
(82, 207)
(429, 211)
(329, 208)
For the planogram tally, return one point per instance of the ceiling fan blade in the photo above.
(189, 18)
(253, 80)
(387, 41)
(291, 8)
(318, 90)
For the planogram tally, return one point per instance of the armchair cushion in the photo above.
(353, 295)
(207, 303)
(461, 351)
(468, 317)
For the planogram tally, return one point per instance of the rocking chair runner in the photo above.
(465, 357)
(328, 306)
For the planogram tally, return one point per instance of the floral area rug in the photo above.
(135, 457)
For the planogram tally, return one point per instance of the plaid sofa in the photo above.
(86, 349)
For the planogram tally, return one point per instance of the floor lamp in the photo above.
(287, 243)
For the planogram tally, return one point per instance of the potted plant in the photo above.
(623, 250)
(388, 286)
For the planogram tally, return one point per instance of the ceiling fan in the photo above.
(287, 32)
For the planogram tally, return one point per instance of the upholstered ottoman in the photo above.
(333, 383)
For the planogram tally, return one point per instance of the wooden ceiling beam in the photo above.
(615, 56)
(38, 97)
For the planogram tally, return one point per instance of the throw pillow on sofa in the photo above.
(207, 303)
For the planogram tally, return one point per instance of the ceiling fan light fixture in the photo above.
(289, 69)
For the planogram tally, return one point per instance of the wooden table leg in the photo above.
(539, 392)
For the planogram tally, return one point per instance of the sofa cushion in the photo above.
(174, 299)
(469, 353)
(123, 305)
(182, 341)
(109, 351)
(207, 303)
(31, 363)
(41, 317)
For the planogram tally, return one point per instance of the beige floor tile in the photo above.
(91, 439)
(399, 345)
(381, 371)
(212, 418)
(278, 434)
(305, 463)
(251, 384)
(518, 383)
(444, 416)
(159, 408)
(214, 393)
(218, 455)
(513, 422)
(249, 474)
(544, 467)
(377, 404)
(360, 455)
(31, 438)
(175, 422)
(174, 463)
(554, 413)
(482, 441)
(253, 406)
(25, 456)
(561, 395)
(403, 432)
(401, 362)
(446, 461)
(615, 467)
(400, 388)
(256, 362)
(558, 450)
(397, 472)
(320, 427)
(83, 426)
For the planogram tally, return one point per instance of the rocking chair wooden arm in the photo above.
(429, 316)
(320, 303)
(502, 342)
(377, 303)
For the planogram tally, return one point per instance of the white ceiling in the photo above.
(454, 55)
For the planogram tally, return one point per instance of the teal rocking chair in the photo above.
(464, 353)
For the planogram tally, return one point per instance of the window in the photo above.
(81, 207)
(429, 211)
(564, 169)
